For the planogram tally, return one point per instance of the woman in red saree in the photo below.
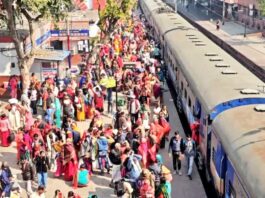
(4, 130)
(69, 160)
(143, 151)
(19, 142)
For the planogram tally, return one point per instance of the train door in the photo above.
(229, 179)
(223, 169)
(208, 149)
(203, 134)
(217, 163)
(234, 187)
(208, 154)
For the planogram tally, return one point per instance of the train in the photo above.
(219, 96)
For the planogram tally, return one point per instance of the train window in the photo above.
(189, 102)
(213, 154)
(181, 86)
(231, 191)
(185, 93)
(204, 122)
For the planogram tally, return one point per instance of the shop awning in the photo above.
(51, 55)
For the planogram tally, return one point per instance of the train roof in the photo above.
(214, 76)
(243, 140)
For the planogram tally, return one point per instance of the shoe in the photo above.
(175, 172)
(190, 177)
(179, 172)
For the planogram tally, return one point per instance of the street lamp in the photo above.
(250, 13)
(176, 6)
(223, 14)
(245, 29)
(116, 94)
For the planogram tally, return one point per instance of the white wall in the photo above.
(73, 46)
(37, 69)
(6, 58)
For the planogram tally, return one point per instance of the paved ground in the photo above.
(252, 46)
(182, 187)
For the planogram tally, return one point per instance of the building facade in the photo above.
(244, 11)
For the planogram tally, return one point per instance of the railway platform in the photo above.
(182, 187)
(249, 50)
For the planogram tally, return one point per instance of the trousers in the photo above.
(42, 179)
(190, 160)
(176, 160)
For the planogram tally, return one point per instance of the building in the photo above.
(245, 11)
(70, 36)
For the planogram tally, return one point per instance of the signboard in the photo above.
(75, 70)
(73, 33)
(108, 82)
(48, 72)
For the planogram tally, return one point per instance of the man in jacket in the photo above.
(115, 158)
(177, 146)
(190, 152)
(103, 152)
(27, 175)
(42, 167)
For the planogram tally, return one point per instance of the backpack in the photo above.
(119, 188)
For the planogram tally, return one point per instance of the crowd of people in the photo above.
(49, 139)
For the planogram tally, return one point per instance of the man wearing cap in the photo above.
(134, 108)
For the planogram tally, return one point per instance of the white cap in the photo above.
(13, 101)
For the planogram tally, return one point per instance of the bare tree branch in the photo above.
(8, 5)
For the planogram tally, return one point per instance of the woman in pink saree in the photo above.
(13, 86)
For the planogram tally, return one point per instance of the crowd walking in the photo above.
(48, 139)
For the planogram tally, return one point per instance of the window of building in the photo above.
(13, 65)
(185, 94)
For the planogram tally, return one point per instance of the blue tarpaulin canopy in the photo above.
(51, 55)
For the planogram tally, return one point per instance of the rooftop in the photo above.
(51, 55)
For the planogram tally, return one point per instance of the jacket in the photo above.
(102, 144)
(115, 157)
(27, 172)
(191, 152)
(173, 146)
(42, 164)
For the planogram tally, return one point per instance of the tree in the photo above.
(14, 12)
(114, 11)
(262, 7)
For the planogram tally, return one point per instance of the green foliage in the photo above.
(34, 10)
(114, 11)
(53, 9)
(262, 7)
